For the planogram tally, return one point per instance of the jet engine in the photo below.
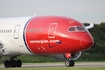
(1, 52)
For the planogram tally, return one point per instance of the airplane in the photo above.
(60, 37)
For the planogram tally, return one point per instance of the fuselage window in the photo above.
(5, 31)
(35, 30)
(2, 31)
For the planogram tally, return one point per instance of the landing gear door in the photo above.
(16, 32)
(52, 29)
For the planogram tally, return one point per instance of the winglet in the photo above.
(90, 26)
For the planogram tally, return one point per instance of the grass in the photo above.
(57, 68)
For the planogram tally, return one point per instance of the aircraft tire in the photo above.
(19, 63)
(67, 63)
(72, 63)
(7, 64)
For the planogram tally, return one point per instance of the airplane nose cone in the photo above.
(86, 41)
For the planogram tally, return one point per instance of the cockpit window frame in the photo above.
(76, 29)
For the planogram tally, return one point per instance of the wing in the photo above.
(90, 26)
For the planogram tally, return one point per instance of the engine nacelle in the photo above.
(75, 56)
(1, 52)
(62, 57)
(59, 57)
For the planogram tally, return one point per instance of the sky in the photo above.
(85, 11)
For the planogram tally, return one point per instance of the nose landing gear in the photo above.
(69, 62)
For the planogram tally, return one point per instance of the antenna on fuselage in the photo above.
(34, 15)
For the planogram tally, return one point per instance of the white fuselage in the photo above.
(11, 36)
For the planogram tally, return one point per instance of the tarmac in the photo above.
(61, 64)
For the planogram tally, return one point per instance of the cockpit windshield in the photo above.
(76, 28)
(72, 29)
(79, 28)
